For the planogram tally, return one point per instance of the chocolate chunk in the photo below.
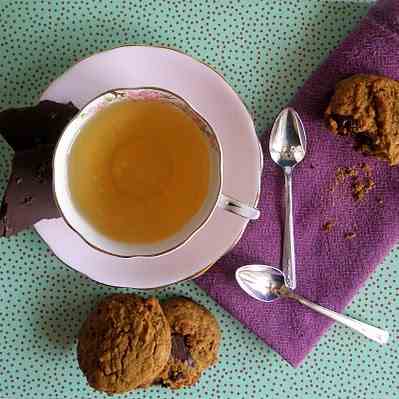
(33, 133)
(364, 143)
(28, 199)
(42, 124)
(346, 123)
(180, 350)
(175, 375)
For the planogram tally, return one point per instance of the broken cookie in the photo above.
(195, 342)
(365, 108)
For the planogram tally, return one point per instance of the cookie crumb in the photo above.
(343, 173)
(380, 201)
(350, 235)
(328, 226)
(366, 169)
(362, 181)
(361, 188)
(370, 183)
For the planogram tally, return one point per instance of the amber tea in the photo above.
(139, 170)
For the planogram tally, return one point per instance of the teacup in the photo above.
(214, 198)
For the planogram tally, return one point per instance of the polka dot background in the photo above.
(265, 49)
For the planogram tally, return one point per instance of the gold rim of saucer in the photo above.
(255, 202)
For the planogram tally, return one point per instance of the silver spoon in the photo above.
(287, 148)
(266, 283)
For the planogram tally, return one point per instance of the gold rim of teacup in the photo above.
(123, 93)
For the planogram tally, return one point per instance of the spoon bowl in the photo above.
(261, 282)
(288, 142)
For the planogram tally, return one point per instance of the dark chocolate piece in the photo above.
(175, 375)
(42, 124)
(33, 133)
(346, 123)
(364, 142)
(180, 350)
(29, 194)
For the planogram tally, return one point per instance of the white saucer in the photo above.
(215, 100)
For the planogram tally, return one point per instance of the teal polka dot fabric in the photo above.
(265, 49)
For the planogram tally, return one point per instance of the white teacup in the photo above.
(215, 198)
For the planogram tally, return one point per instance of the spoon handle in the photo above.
(371, 332)
(288, 262)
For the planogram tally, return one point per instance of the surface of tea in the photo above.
(139, 170)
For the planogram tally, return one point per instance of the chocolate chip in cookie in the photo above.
(195, 342)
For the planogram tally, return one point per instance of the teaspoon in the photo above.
(287, 148)
(266, 283)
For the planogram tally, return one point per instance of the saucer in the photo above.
(210, 95)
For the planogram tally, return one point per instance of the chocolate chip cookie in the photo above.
(124, 344)
(366, 107)
(195, 342)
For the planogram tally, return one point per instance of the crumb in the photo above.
(342, 173)
(350, 235)
(369, 184)
(327, 227)
(351, 172)
(339, 175)
(282, 291)
(361, 188)
(366, 169)
(380, 201)
(358, 191)
(361, 179)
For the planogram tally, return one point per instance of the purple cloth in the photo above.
(330, 268)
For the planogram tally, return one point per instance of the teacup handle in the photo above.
(234, 206)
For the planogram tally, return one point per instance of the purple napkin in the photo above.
(330, 267)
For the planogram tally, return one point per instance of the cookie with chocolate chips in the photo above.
(366, 108)
(124, 344)
(195, 342)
